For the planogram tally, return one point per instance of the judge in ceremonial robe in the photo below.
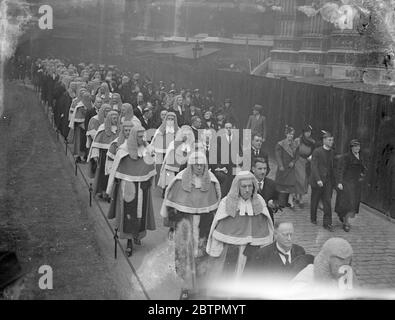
(77, 123)
(242, 219)
(130, 186)
(95, 122)
(106, 133)
(190, 202)
(123, 135)
(163, 136)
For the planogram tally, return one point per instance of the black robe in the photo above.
(350, 171)
(64, 104)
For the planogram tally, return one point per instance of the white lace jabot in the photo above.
(169, 129)
(245, 207)
(197, 181)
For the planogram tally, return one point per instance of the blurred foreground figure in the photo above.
(130, 186)
(242, 219)
(189, 204)
(327, 269)
(11, 276)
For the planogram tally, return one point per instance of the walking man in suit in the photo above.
(228, 149)
(138, 106)
(257, 151)
(282, 258)
(146, 118)
(266, 186)
(322, 180)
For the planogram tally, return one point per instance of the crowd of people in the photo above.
(218, 202)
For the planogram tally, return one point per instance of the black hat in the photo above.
(326, 134)
(354, 142)
(10, 268)
(146, 109)
(308, 128)
(288, 129)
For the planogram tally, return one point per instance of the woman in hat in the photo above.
(257, 121)
(285, 152)
(350, 173)
(306, 145)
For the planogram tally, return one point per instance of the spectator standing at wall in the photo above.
(350, 173)
(285, 152)
(257, 122)
(306, 145)
(322, 180)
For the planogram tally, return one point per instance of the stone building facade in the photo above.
(310, 46)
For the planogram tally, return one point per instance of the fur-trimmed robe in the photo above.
(191, 212)
(130, 186)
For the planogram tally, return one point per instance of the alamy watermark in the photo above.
(346, 280)
(45, 21)
(46, 280)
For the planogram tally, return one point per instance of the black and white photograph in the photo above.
(201, 150)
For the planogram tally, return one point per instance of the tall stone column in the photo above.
(287, 38)
(343, 52)
(312, 54)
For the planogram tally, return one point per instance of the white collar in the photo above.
(326, 148)
(114, 129)
(245, 207)
(141, 151)
(197, 181)
(169, 129)
(288, 253)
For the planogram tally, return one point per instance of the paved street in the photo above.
(372, 238)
